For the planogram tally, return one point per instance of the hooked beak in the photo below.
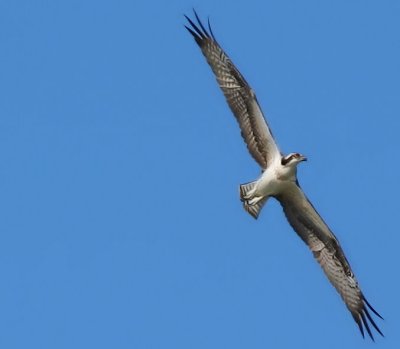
(303, 158)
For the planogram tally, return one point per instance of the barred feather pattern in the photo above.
(239, 96)
(325, 247)
(299, 211)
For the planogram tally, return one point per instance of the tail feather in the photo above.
(255, 209)
(251, 204)
(245, 190)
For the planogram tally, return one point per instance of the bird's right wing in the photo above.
(309, 225)
(239, 95)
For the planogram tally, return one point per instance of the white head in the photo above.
(292, 159)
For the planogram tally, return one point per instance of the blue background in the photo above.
(120, 162)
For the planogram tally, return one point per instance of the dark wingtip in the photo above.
(365, 323)
(363, 319)
(196, 37)
(360, 326)
(201, 24)
(209, 28)
(371, 320)
(198, 30)
(372, 309)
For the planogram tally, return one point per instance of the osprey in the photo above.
(279, 179)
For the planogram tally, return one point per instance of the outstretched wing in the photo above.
(239, 95)
(309, 225)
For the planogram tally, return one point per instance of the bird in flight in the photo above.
(279, 178)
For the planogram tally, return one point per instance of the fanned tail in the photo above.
(255, 209)
(251, 204)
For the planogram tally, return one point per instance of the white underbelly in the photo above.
(268, 184)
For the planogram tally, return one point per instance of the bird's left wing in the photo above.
(238, 94)
(309, 225)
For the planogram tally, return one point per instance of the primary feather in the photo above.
(282, 182)
(239, 95)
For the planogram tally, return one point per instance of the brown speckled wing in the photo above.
(239, 95)
(325, 247)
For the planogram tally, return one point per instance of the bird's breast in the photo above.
(268, 184)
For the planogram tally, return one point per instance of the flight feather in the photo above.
(325, 247)
(239, 95)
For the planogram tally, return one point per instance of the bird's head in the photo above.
(292, 159)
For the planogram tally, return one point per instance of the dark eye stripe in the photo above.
(284, 161)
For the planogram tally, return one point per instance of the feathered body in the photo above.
(279, 179)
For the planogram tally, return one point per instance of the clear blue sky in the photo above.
(120, 161)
